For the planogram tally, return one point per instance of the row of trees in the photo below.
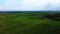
(55, 16)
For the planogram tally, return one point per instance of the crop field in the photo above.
(28, 23)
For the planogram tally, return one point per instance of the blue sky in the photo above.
(29, 5)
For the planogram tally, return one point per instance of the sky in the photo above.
(29, 5)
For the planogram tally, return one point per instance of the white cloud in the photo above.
(30, 5)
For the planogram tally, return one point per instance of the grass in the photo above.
(28, 23)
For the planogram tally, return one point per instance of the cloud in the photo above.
(30, 5)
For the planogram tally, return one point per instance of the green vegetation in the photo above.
(28, 23)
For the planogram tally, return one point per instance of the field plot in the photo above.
(29, 23)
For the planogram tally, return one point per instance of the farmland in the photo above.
(28, 23)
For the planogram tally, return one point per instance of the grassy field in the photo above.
(28, 23)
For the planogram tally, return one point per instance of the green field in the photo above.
(28, 23)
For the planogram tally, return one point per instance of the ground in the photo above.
(28, 23)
